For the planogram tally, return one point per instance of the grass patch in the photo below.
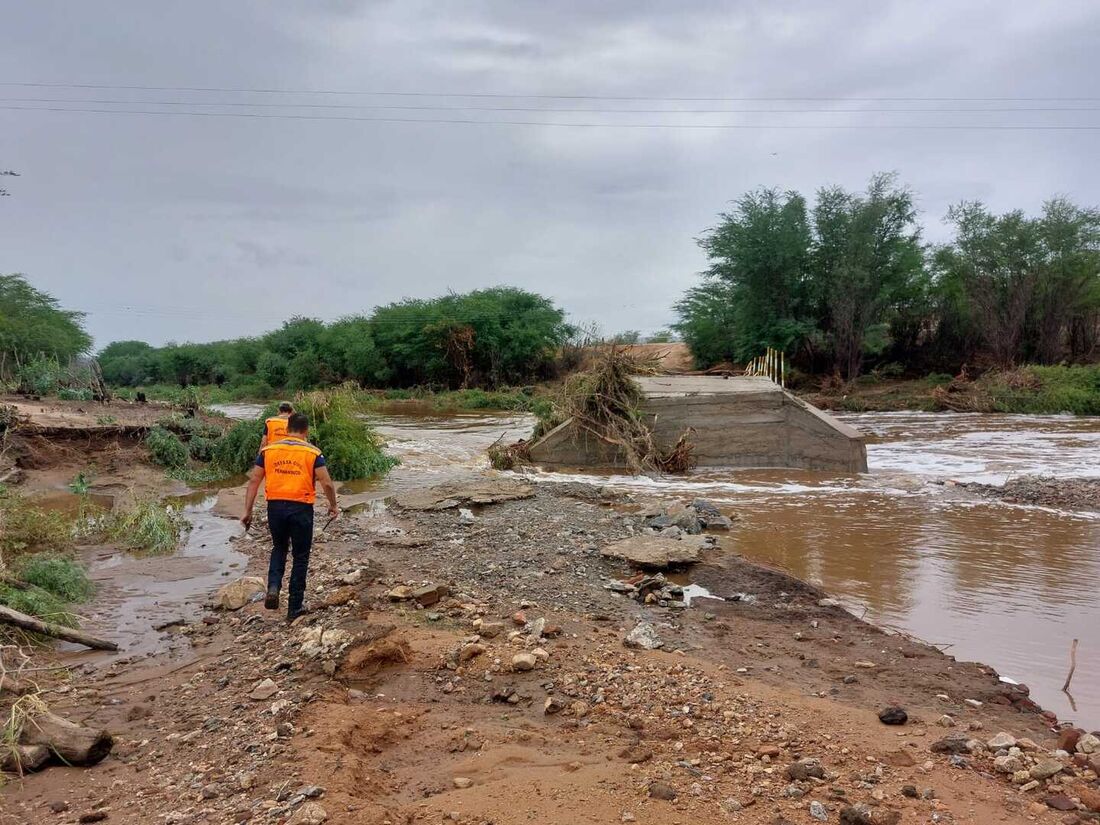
(41, 603)
(25, 528)
(149, 527)
(57, 574)
(1039, 390)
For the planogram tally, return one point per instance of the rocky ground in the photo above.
(1068, 493)
(474, 656)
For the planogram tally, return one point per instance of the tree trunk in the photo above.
(73, 744)
(23, 759)
(14, 617)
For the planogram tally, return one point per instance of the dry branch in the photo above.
(68, 634)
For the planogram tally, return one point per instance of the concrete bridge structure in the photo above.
(737, 422)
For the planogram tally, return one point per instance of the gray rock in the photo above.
(655, 552)
(1001, 740)
(1046, 768)
(951, 744)
(819, 811)
(643, 636)
(263, 690)
(662, 790)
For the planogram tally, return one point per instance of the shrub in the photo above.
(165, 448)
(352, 449)
(74, 394)
(56, 573)
(235, 451)
(39, 376)
(201, 448)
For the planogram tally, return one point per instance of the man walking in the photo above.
(292, 467)
(275, 427)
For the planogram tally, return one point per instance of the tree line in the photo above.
(485, 338)
(849, 283)
(34, 327)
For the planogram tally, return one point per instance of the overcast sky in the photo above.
(182, 227)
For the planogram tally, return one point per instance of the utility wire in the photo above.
(499, 95)
(554, 110)
(589, 125)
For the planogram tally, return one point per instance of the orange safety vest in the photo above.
(275, 427)
(288, 470)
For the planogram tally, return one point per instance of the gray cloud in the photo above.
(180, 227)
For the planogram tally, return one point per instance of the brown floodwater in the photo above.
(1008, 585)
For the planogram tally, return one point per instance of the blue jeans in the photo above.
(291, 525)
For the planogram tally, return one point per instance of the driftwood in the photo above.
(72, 743)
(14, 617)
(24, 758)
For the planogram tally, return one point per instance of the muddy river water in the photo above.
(1005, 584)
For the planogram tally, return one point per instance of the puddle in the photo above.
(136, 595)
(72, 504)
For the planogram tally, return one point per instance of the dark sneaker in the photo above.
(292, 615)
(271, 602)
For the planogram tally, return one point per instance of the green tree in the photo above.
(867, 258)
(761, 250)
(32, 323)
(707, 322)
(1030, 287)
(271, 368)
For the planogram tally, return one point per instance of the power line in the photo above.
(587, 125)
(500, 95)
(555, 110)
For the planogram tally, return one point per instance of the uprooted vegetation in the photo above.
(605, 402)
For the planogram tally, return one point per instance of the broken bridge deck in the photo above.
(736, 422)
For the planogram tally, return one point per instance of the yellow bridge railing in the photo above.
(772, 364)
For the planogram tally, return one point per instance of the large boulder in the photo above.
(657, 552)
(235, 595)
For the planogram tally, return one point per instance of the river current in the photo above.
(1009, 585)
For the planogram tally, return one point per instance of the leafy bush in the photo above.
(39, 376)
(201, 448)
(352, 449)
(56, 573)
(236, 451)
(74, 394)
(165, 448)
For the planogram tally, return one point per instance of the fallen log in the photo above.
(72, 743)
(24, 758)
(68, 634)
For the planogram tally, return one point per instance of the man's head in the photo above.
(297, 424)
(286, 408)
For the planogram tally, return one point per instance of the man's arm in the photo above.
(254, 479)
(321, 473)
